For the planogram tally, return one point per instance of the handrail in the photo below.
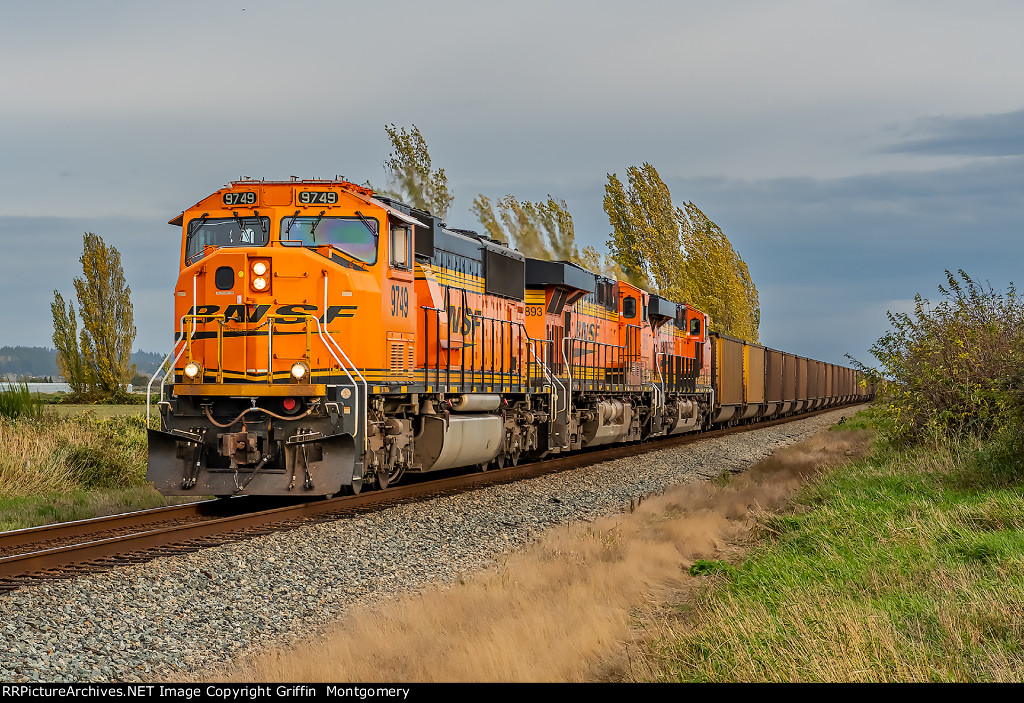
(659, 392)
(181, 338)
(492, 363)
(328, 339)
(623, 356)
(553, 380)
(149, 386)
(567, 358)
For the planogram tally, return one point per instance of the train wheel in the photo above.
(386, 479)
(353, 489)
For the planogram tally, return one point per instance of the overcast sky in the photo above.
(851, 151)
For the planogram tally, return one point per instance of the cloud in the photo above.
(984, 135)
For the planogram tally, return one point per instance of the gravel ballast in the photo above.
(179, 615)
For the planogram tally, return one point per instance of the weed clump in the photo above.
(16, 401)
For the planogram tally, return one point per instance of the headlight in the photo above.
(299, 371)
(192, 369)
(259, 268)
(259, 283)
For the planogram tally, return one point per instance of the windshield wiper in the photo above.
(312, 230)
(259, 222)
(194, 227)
(241, 225)
(196, 224)
(289, 227)
(366, 223)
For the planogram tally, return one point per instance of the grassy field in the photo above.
(73, 462)
(100, 411)
(899, 567)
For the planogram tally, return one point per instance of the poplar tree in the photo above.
(678, 253)
(645, 229)
(540, 230)
(65, 340)
(99, 363)
(715, 277)
(411, 176)
(108, 321)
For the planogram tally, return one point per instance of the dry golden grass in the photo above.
(56, 454)
(561, 610)
(33, 457)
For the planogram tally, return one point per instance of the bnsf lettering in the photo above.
(292, 313)
(586, 331)
(461, 320)
(293, 310)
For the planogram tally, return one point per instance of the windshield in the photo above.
(352, 235)
(224, 232)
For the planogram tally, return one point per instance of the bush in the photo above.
(112, 453)
(954, 369)
(57, 455)
(1000, 462)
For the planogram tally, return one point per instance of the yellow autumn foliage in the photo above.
(540, 230)
(679, 253)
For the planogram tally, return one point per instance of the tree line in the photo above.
(677, 252)
(23, 363)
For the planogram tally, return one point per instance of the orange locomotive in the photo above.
(328, 339)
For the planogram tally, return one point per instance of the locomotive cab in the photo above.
(287, 292)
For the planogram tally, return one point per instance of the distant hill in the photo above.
(42, 361)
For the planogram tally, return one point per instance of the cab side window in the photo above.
(695, 326)
(629, 307)
(401, 247)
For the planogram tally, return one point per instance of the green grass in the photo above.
(894, 568)
(17, 401)
(101, 411)
(20, 512)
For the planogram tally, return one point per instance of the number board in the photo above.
(317, 197)
(247, 197)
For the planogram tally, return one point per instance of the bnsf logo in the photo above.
(243, 313)
(462, 319)
(586, 331)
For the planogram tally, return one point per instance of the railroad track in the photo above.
(65, 550)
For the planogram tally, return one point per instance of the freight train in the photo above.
(328, 339)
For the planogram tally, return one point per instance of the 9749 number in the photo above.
(317, 197)
(247, 197)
